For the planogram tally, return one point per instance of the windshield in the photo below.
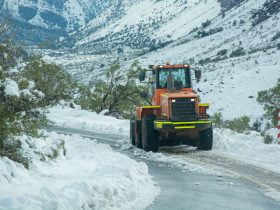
(181, 77)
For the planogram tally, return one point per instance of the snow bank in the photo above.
(90, 121)
(248, 148)
(89, 176)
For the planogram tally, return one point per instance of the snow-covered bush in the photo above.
(20, 113)
(238, 52)
(50, 79)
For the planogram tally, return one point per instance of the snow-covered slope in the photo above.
(49, 21)
(235, 43)
(67, 15)
(236, 62)
(145, 24)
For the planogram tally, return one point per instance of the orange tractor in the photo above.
(176, 116)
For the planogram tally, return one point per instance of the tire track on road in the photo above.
(265, 180)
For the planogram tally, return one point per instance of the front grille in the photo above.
(183, 109)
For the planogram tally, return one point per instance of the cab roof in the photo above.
(169, 66)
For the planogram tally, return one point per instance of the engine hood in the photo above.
(180, 95)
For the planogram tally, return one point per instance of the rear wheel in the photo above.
(205, 139)
(132, 132)
(138, 134)
(150, 136)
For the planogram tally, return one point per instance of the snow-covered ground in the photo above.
(70, 172)
(246, 147)
(89, 121)
(85, 175)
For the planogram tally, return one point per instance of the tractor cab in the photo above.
(170, 79)
(173, 78)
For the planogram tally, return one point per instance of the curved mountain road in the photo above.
(244, 188)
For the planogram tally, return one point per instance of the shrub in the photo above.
(49, 79)
(270, 99)
(20, 111)
(206, 24)
(257, 125)
(268, 139)
(217, 120)
(238, 52)
(203, 33)
(222, 52)
(204, 61)
(119, 93)
(239, 125)
(276, 36)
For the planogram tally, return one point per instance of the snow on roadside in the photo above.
(89, 121)
(248, 148)
(89, 176)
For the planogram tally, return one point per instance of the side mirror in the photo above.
(197, 74)
(142, 76)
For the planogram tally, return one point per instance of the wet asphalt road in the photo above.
(190, 190)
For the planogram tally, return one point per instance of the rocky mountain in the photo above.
(112, 24)
(52, 19)
(235, 43)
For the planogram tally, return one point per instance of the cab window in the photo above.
(181, 77)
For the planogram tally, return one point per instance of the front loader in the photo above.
(176, 116)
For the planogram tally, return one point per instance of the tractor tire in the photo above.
(205, 139)
(132, 132)
(138, 134)
(150, 136)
